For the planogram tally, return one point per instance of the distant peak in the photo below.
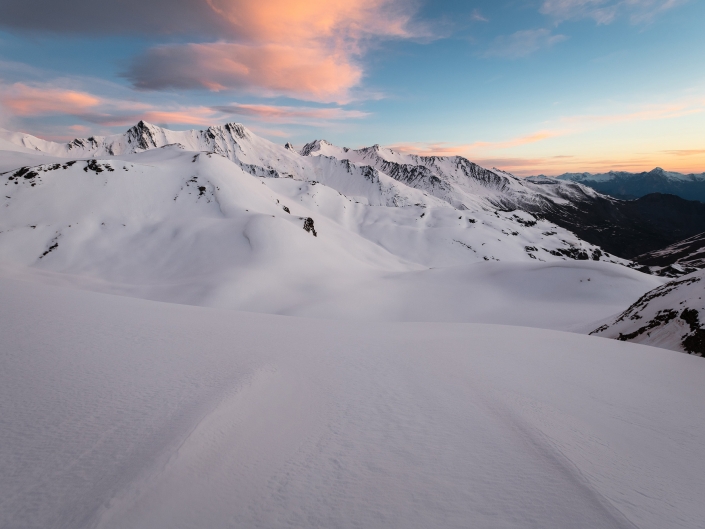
(313, 146)
(144, 125)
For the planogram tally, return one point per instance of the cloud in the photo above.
(305, 49)
(270, 70)
(466, 149)
(522, 43)
(23, 100)
(477, 16)
(38, 100)
(100, 17)
(675, 109)
(686, 152)
(287, 114)
(607, 11)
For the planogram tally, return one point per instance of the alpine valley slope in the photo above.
(119, 412)
(671, 316)
(224, 218)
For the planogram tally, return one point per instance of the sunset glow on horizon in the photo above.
(530, 87)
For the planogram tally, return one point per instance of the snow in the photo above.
(178, 351)
(120, 412)
(671, 316)
(195, 228)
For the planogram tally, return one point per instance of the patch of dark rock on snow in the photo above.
(693, 343)
(96, 167)
(308, 226)
(287, 210)
(50, 249)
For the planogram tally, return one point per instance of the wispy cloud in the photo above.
(510, 154)
(25, 100)
(522, 43)
(289, 114)
(467, 149)
(686, 152)
(675, 109)
(607, 11)
(477, 16)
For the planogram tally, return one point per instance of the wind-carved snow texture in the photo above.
(120, 412)
(224, 218)
(671, 316)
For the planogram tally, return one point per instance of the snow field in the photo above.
(120, 412)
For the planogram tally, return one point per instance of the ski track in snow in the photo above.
(120, 412)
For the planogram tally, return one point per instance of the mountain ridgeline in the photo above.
(378, 176)
(629, 186)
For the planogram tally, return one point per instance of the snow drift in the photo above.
(120, 412)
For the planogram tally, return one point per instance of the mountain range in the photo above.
(629, 186)
(206, 329)
(222, 217)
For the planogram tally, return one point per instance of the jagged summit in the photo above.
(314, 146)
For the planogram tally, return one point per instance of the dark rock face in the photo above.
(629, 228)
(689, 252)
(308, 226)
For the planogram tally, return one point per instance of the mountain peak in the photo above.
(313, 146)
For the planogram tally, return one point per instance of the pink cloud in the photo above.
(40, 100)
(307, 49)
(290, 114)
(305, 73)
(24, 100)
(465, 149)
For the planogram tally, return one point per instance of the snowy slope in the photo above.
(671, 316)
(687, 254)
(455, 179)
(120, 412)
(193, 227)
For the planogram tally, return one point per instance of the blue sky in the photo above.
(543, 86)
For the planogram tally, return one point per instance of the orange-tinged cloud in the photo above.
(283, 114)
(307, 49)
(41, 100)
(300, 22)
(24, 100)
(466, 149)
(305, 73)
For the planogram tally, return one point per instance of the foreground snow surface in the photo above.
(122, 412)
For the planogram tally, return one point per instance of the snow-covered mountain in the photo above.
(401, 410)
(224, 218)
(688, 254)
(628, 186)
(380, 176)
(671, 316)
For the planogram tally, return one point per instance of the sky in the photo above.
(528, 86)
